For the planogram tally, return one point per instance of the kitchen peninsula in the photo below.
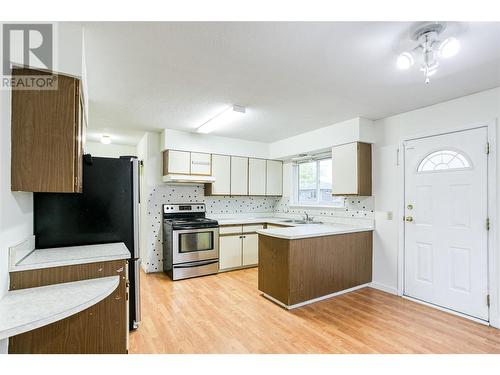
(305, 264)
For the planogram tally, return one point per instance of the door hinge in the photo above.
(487, 223)
(487, 148)
(488, 300)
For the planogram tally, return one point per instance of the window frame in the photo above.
(336, 201)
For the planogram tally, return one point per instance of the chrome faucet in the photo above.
(307, 218)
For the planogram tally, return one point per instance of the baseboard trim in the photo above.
(290, 307)
(384, 288)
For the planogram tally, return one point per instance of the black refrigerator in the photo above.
(107, 211)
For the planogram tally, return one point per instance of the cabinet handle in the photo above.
(99, 269)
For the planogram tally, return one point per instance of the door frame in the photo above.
(493, 251)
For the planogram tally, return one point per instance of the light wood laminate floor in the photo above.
(225, 313)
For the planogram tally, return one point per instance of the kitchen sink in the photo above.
(294, 221)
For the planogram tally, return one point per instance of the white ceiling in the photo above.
(293, 77)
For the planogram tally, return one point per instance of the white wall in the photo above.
(109, 151)
(473, 109)
(16, 208)
(356, 129)
(148, 150)
(179, 140)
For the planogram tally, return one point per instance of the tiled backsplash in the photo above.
(355, 208)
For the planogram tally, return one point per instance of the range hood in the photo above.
(188, 179)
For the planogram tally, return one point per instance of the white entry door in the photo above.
(446, 207)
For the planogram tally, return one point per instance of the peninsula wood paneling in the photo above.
(295, 271)
(102, 328)
(274, 278)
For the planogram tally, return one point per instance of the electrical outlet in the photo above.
(390, 215)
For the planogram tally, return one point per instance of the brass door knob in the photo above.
(409, 219)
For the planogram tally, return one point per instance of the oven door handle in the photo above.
(197, 228)
(197, 264)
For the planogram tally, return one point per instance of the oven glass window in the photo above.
(199, 241)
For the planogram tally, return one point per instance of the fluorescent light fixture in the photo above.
(449, 47)
(405, 61)
(222, 119)
(105, 139)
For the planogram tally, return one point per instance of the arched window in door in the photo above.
(443, 160)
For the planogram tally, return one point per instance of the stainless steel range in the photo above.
(190, 241)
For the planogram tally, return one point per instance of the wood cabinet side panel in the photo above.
(43, 137)
(364, 169)
(323, 265)
(274, 269)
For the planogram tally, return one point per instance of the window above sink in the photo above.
(312, 184)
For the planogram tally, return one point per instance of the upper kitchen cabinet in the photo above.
(256, 177)
(186, 163)
(176, 162)
(221, 171)
(201, 164)
(274, 177)
(47, 136)
(239, 175)
(352, 169)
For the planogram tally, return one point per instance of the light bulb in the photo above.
(105, 139)
(449, 47)
(404, 61)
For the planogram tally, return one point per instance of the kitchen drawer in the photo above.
(252, 227)
(230, 229)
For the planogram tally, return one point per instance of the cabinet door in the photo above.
(256, 177)
(230, 252)
(178, 162)
(201, 164)
(274, 177)
(221, 170)
(239, 175)
(345, 169)
(250, 249)
(46, 143)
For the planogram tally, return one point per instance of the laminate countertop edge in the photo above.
(69, 256)
(24, 310)
(311, 231)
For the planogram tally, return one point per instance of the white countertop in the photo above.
(27, 309)
(312, 230)
(67, 256)
(254, 220)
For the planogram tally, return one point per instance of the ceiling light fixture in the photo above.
(430, 48)
(230, 114)
(105, 139)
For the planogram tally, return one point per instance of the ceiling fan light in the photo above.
(404, 61)
(449, 47)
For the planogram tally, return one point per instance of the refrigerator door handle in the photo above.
(136, 208)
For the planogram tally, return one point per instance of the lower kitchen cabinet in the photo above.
(99, 329)
(250, 249)
(229, 252)
(239, 246)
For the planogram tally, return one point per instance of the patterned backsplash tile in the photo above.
(358, 207)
